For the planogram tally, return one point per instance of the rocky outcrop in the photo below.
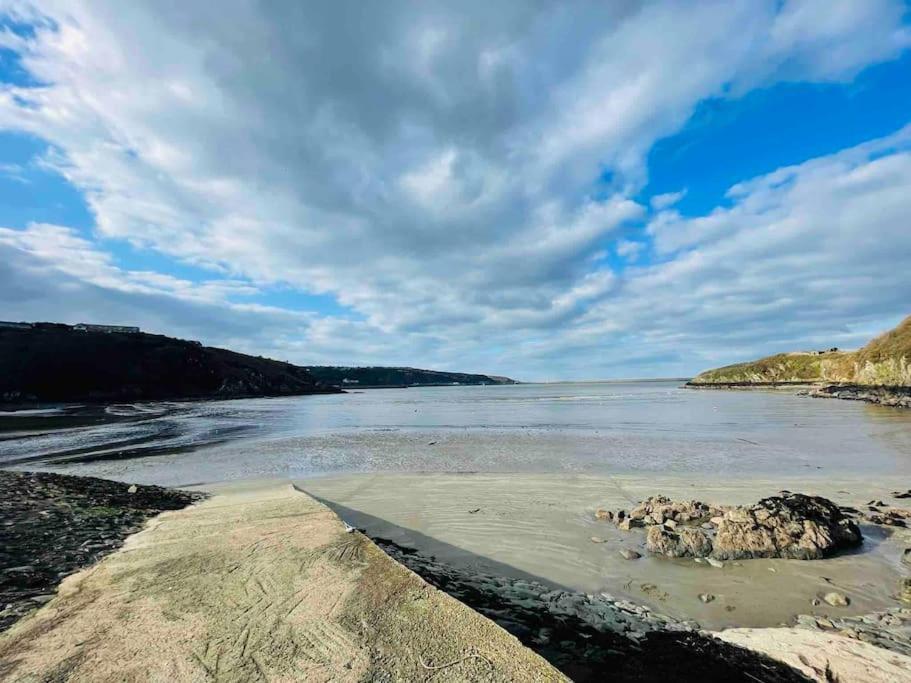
(896, 397)
(791, 526)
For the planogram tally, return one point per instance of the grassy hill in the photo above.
(55, 363)
(885, 361)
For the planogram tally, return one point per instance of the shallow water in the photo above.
(596, 428)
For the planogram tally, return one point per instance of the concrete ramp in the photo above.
(258, 585)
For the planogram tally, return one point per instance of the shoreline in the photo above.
(582, 633)
(262, 581)
(887, 396)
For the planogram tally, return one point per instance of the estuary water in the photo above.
(584, 428)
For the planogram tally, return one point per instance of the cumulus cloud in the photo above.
(434, 168)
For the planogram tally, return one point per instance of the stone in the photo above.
(906, 556)
(597, 539)
(684, 542)
(629, 523)
(606, 515)
(42, 599)
(816, 602)
(717, 564)
(133, 489)
(628, 554)
(670, 524)
(836, 599)
(904, 590)
(706, 597)
(793, 526)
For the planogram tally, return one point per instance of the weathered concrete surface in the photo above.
(822, 656)
(258, 585)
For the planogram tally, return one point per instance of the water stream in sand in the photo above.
(543, 457)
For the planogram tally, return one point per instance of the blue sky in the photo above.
(639, 189)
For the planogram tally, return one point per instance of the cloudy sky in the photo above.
(544, 190)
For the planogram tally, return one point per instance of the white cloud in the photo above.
(629, 250)
(667, 200)
(430, 167)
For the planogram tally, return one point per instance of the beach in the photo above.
(543, 525)
(491, 495)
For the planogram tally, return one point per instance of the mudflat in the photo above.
(258, 583)
(544, 525)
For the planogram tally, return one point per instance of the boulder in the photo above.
(792, 526)
(836, 599)
(682, 542)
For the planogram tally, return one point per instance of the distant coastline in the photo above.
(880, 372)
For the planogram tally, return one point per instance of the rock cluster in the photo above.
(875, 514)
(53, 525)
(792, 525)
(588, 634)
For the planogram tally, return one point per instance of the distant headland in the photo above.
(57, 363)
(880, 372)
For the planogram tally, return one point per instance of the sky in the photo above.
(544, 190)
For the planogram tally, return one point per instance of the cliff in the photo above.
(885, 361)
(55, 363)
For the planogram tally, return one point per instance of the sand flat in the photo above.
(258, 583)
(542, 525)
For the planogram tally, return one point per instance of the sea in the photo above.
(585, 427)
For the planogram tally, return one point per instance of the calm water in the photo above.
(588, 428)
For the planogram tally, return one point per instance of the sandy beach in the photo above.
(542, 525)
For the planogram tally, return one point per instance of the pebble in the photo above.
(717, 564)
(133, 489)
(837, 599)
(597, 539)
(630, 554)
(706, 597)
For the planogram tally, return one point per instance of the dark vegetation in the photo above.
(53, 525)
(55, 363)
(397, 377)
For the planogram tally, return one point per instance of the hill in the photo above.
(885, 361)
(58, 363)
(398, 377)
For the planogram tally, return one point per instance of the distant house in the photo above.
(16, 326)
(123, 329)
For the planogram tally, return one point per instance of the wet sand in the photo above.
(542, 525)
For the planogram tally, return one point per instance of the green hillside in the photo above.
(885, 361)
